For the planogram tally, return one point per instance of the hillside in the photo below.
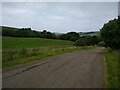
(14, 30)
(94, 33)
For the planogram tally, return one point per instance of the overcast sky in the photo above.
(59, 16)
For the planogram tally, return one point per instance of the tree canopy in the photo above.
(27, 32)
(72, 36)
(110, 33)
(87, 41)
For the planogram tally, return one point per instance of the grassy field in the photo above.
(112, 58)
(17, 43)
(22, 50)
(18, 51)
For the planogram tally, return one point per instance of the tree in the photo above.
(72, 36)
(110, 33)
(81, 42)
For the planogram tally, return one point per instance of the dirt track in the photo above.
(81, 69)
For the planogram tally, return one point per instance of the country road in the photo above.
(79, 69)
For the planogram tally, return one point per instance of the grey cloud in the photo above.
(59, 17)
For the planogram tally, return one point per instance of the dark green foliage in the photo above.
(110, 33)
(72, 36)
(26, 32)
(80, 42)
(87, 41)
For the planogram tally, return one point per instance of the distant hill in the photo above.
(26, 32)
(93, 33)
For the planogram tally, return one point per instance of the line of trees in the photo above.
(27, 32)
(71, 36)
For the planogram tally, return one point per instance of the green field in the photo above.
(18, 51)
(17, 43)
(23, 50)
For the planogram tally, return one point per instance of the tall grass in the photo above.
(112, 58)
(16, 57)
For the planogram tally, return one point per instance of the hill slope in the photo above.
(94, 33)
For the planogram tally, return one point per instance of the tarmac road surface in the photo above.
(80, 69)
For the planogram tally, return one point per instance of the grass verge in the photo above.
(112, 57)
(11, 58)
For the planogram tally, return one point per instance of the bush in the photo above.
(81, 42)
